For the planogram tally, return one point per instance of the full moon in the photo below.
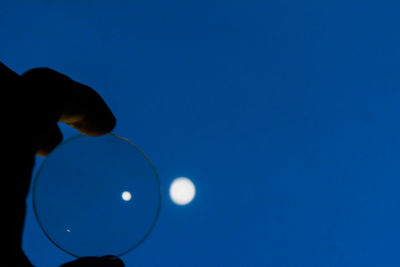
(126, 196)
(182, 191)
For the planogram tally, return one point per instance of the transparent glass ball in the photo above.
(96, 196)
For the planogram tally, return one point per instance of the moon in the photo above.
(126, 196)
(182, 191)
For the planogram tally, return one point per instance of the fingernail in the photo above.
(110, 257)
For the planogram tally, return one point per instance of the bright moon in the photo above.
(126, 196)
(182, 191)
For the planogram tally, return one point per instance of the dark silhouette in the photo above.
(31, 106)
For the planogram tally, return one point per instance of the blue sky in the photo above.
(285, 114)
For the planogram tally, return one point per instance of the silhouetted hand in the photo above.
(31, 106)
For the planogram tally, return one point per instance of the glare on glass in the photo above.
(96, 196)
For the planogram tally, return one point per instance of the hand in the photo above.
(32, 104)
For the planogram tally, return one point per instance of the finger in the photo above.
(49, 140)
(87, 112)
(61, 99)
(117, 262)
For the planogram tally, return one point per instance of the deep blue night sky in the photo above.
(285, 114)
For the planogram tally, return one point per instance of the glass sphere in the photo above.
(96, 196)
